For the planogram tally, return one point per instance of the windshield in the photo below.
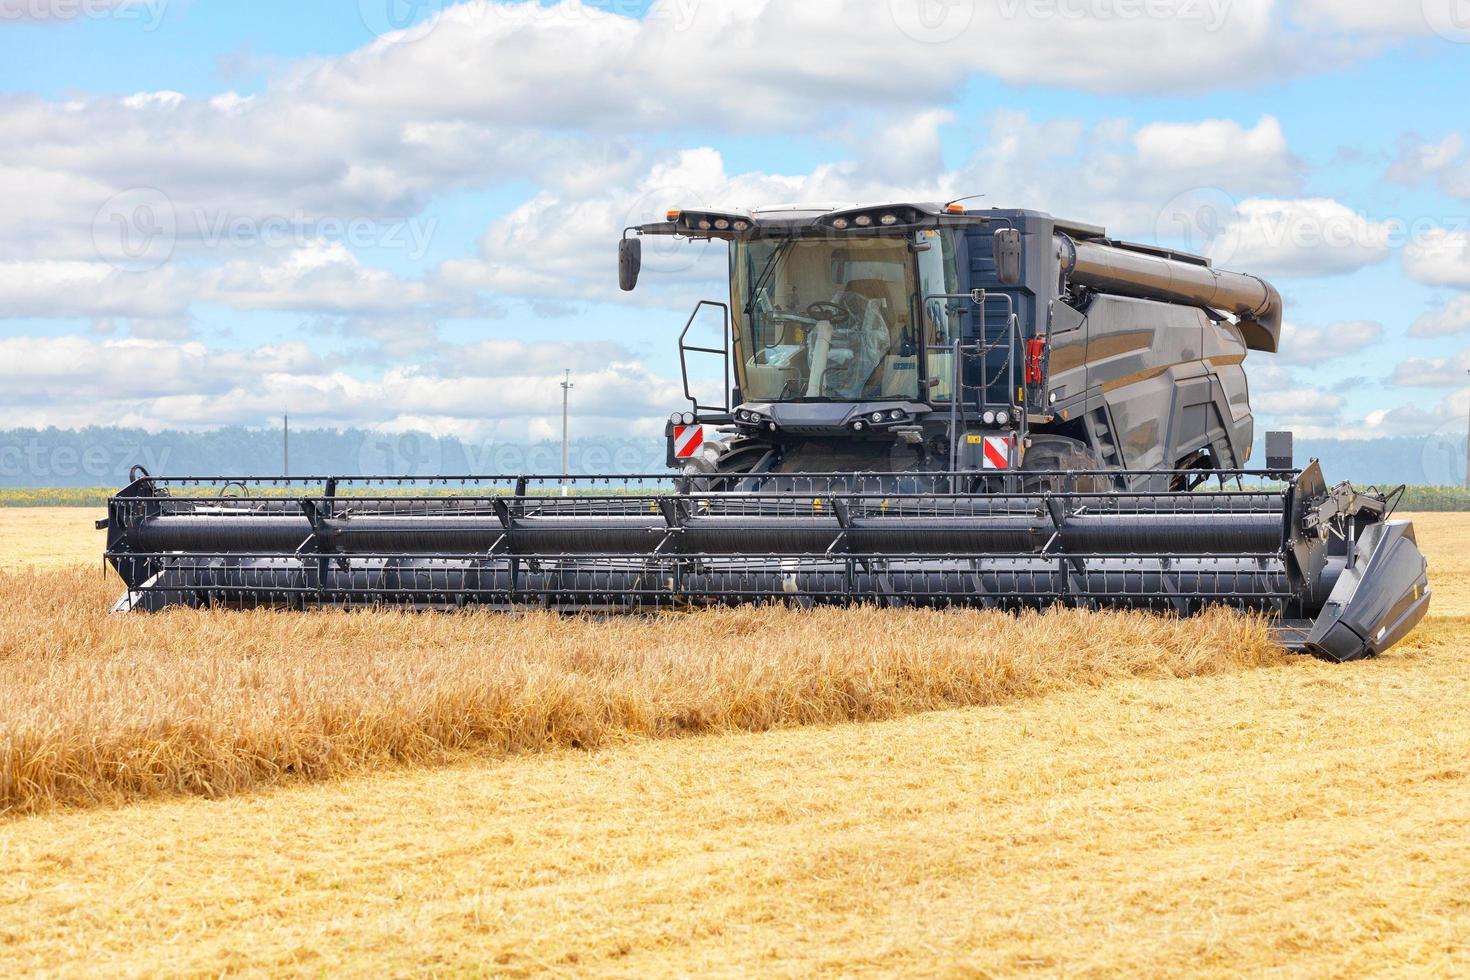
(824, 319)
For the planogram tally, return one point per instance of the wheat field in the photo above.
(1270, 816)
(98, 709)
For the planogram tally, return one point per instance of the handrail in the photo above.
(686, 348)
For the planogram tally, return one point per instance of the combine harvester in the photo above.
(923, 405)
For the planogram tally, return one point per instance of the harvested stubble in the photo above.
(101, 709)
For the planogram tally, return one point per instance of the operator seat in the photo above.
(895, 313)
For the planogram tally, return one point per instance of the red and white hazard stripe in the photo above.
(687, 440)
(996, 453)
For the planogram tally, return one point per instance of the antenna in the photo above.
(566, 387)
(969, 197)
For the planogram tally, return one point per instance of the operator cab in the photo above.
(848, 322)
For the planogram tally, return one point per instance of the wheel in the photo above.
(1060, 455)
(719, 461)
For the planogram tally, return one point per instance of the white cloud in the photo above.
(1370, 16)
(1302, 237)
(777, 63)
(1438, 372)
(562, 239)
(1439, 257)
(499, 389)
(1453, 319)
(321, 277)
(1445, 162)
(1316, 345)
(1416, 419)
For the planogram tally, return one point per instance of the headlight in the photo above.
(896, 414)
(877, 416)
(742, 226)
(840, 224)
(688, 418)
(988, 418)
(863, 220)
(1002, 417)
(676, 419)
(888, 219)
(859, 425)
(721, 224)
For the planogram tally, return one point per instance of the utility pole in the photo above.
(286, 444)
(566, 387)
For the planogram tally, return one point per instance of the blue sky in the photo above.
(215, 211)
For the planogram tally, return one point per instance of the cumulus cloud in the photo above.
(576, 64)
(1439, 257)
(321, 278)
(1317, 345)
(1444, 161)
(1437, 372)
(1111, 173)
(1452, 319)
(1301, 237)
(498, 389)
(1416, 419)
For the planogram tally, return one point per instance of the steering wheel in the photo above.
(830, 312)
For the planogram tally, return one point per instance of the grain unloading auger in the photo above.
(920, 405)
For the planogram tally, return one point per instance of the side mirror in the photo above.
(1008, 256)
(630, 263)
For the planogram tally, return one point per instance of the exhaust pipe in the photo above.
(1125, 272)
